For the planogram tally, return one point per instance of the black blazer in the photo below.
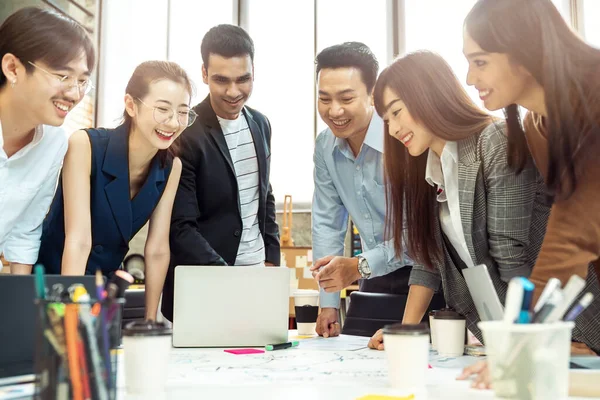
(206, 224)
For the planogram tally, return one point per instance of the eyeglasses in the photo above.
(66, 82)
(162, 115)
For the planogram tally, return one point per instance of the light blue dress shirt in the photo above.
(348, 185)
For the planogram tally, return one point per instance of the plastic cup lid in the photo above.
(448, 313)
(406, 329)
(146, 328)
(305, 293)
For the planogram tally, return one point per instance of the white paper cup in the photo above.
(528, 361)
(432, 328)
(146, 346)
(306, 304)
(450, 328)
(407, 351)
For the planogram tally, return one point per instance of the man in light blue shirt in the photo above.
(348, 180)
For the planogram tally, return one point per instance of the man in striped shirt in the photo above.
(224, 211)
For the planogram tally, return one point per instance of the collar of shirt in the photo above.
(373, 138)
(434, 171)
(37, 137)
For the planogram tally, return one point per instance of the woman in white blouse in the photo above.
(46, 63)
(446, 167)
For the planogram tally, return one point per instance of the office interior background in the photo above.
(287, 36)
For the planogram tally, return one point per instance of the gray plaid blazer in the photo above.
(504, 218)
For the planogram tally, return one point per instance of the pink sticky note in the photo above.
(244, 351)
(429, 366)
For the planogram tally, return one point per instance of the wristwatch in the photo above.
(363, 267)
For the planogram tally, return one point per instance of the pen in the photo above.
(281, 346)
(528, 288)
(103, 328)
(585, 301)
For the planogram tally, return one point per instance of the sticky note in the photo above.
(244, 351)
(381, 397)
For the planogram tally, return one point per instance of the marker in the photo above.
(40, 283)
(570, 293)
(551, 286)
(528, 288)
(514, 301)
(556, 297)
(281, 346)
(585, 301)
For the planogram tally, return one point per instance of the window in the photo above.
(341, 21)
(438, 26)
(284, 89)
(591, 24)
(189, 21)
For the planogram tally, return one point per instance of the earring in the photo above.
(13, 83)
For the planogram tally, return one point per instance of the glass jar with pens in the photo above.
(76, 340)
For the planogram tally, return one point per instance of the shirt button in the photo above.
(367, 216)
(98, 248)
(237, 233)
(370, 240)
(358, 167)
(358, 193)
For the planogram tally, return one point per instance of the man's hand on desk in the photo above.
(376, 341)
(336, 273)
(327, 323)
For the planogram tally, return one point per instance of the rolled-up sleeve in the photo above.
(422, 276)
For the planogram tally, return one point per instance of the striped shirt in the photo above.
(251, 251)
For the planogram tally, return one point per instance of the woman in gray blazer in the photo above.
(448, 177)
(449, 180)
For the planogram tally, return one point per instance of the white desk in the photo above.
(300, 373)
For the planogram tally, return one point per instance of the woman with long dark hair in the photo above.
(522, 53)
(461, 203)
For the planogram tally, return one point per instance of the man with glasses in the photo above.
(224, 212)
(46, 63)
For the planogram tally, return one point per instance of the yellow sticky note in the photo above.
(302, 337)
(381, 397)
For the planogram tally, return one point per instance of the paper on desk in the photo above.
(339, 343)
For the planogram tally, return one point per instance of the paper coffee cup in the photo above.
(407, 351)
(146, 346)
(450, 329)
(306, 304)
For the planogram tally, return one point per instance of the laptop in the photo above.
(18, 322)
(230, 306)
(484, 293)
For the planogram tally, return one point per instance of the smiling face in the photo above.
(344, 103)
(499, 81)
(152, 118)
(230, 82)
(402, 127)
(42, 92)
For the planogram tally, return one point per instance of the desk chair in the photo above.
(369, 312)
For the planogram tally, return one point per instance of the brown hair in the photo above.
(435, 99)
(139, 84)
(534, 34)
(33, 34)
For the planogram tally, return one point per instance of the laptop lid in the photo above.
(230, 306)
(484, 293)
(17, 319)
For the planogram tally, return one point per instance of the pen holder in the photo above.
(75, 354)
(528, 361)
